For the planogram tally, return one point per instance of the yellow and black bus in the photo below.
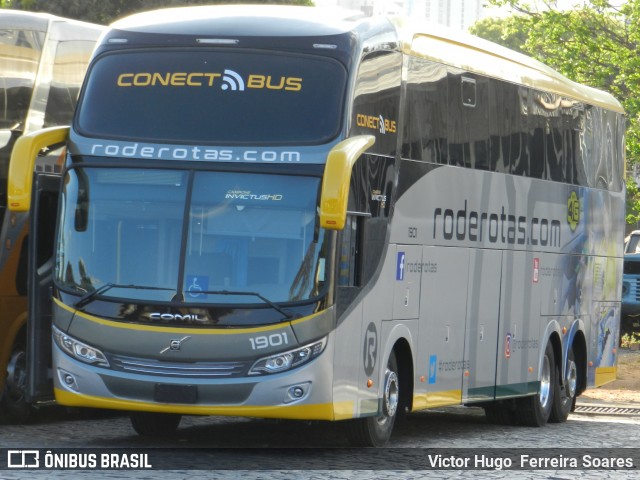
(43, 59)
(277, 212)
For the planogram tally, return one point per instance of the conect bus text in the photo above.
(500, 227)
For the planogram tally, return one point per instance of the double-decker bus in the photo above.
(273, 212)
(43, 59)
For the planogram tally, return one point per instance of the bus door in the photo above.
(443, 314)
(483, 312)
(44, 203)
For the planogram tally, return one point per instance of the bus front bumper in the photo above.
(303, 393)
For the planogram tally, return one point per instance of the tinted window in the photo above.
(19, 55)
(214, 97)
(69, 68)
(377, 100)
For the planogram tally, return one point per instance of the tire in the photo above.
(534, 411)
(564, 394)
(376, 431)
(150, 424)
(13, 403)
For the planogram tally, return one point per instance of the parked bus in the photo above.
(43, 59)
(273, 212)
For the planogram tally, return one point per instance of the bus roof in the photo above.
(422, 39)
(475, 54)
(18, 19)
(243, 20)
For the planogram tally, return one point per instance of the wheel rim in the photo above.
(390, 400)
(16, 376)
(545, 383)
(572, 379)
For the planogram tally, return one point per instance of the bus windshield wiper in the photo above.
(253, 294)
(90, 296)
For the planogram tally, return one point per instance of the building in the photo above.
(457, 14)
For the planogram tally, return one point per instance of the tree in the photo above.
(504, 31)
(106, 11)
(633, 202)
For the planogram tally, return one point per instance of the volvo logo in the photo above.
(175, 344)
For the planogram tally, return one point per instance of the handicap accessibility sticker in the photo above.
(196, 284)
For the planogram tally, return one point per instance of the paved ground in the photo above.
(266, 449)
(445, 429)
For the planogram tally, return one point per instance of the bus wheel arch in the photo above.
(404, 358)
(397, 392)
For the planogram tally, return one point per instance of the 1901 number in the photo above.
(273, 340)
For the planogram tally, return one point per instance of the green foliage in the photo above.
(630, 340)
(504, 31)
(106, 11)
(596, 44)
(633, 202)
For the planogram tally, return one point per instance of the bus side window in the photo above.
(350, 263)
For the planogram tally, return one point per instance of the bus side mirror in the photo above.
(23, 161)
(337, 176)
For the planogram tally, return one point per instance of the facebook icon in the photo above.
(400, 267)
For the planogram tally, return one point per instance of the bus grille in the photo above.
(178, 369)
(634, 289)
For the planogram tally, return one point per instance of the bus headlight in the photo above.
(78, 350)
(283, 361)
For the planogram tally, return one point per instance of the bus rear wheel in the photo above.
(376, 431)
(564, 394)
(150, 424)
(534, 411)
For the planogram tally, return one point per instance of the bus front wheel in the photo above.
(376, 431)
(150, 424)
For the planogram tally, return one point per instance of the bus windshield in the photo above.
(251, 233)
(213, 97)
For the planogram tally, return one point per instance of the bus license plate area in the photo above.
(175, 393)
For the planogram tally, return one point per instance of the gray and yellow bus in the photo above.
(43, 59)
(273, 212)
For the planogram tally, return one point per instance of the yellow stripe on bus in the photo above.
(190, 331)
(324, 411)
(605, 375)
(437, 399)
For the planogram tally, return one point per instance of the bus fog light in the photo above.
(284, 361)
(297, 392)
(79, 350)
(67, 379)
